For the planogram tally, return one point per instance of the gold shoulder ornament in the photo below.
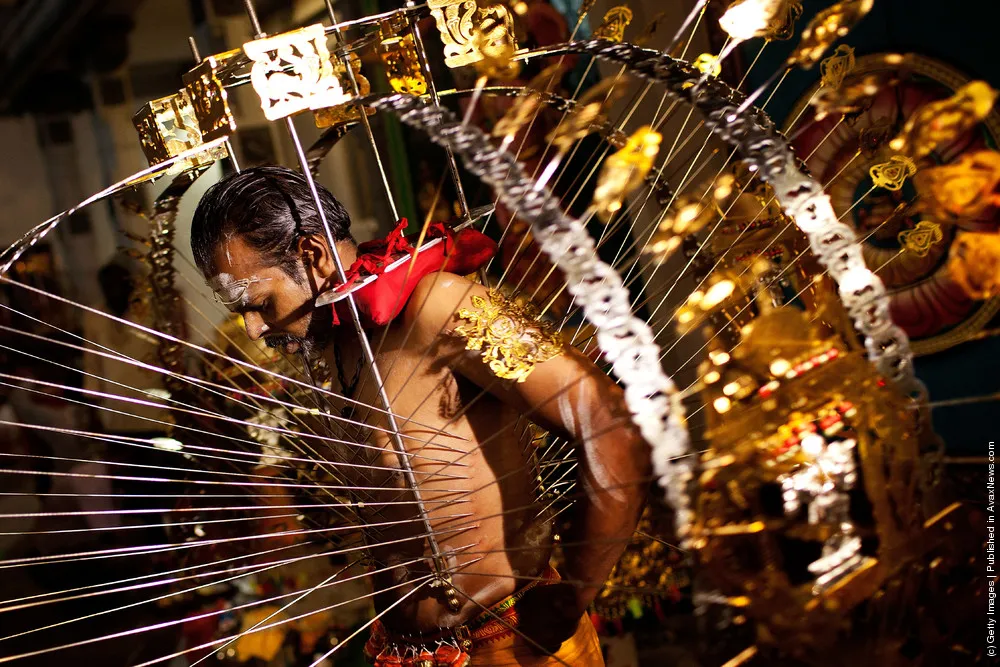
(509, 335)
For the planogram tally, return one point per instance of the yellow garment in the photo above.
(583, 649)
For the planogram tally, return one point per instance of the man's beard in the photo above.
(319, 334)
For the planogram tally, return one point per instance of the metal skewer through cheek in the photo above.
(439, 562)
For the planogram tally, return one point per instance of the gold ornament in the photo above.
(167, 127)
(457, 22)
(209, 98)
(836, 67)
(848, 98)
(826, 28)
(974, 263)
(746, 19)
(625, 170)
(921, 238)
(940, 122)
(965, 189)
(312, 82)
(708, 64)
(782, 27)
(497, 47)
(349, 112)
(402, 64)
(588, 112)
(613, 26)
(892, 174)
(509, 335)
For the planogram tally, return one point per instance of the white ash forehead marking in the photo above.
(231, 292)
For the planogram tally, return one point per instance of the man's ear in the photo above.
(316, 258)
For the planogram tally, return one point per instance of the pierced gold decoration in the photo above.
(167, 127)
(589, 111)
(685, 217)
(458, 20)
(965, 189)
(510, 336)
(746, 19)
(349, 112)
(398, 54)
(826, 28)
(892, 174)
(940, 122)
(708, 64)
(613, 26)
(625, 170)
(974, 263)
(208, 97)
(837, 66)
(312, 83)
(921, 238)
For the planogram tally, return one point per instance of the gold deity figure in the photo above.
(457, 22)
(613, 26)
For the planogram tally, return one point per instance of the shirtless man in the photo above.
(260, 244)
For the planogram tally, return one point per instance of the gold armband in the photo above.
(509, 335)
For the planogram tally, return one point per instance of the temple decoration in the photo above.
(827, 27)
(892, 174)
(625, 171)
(458, 20)
(497, 47)
(921, 238)
(398, 54)
(963, 190)
(849, 98)
(312, 82)
(510, 336)
(974, 263)
(782, 26)
(588, 113)
(167, 127)
(209, 98)
(613, 25)
(941, 122)
(837, 66)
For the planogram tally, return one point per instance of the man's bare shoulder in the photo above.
(435, 302)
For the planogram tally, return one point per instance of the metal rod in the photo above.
(438, 558)
(346, 57)
(418, 41)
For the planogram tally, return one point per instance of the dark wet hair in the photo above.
(270, 208)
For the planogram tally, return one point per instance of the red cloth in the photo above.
(379, 302)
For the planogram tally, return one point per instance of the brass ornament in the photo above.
(965, 189)
(398, 54)
(167, 127)
(835, 68)
(892, 174)
(850, 97)
(311, 82)
(457, 22)
(625, 171)
(974, 263)
(613, 25)
(919, 240)
(940, 122)
(509, 335)
(497, 47)
(209, 98)
(827, 27)
(782, 26)
(746, 19)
